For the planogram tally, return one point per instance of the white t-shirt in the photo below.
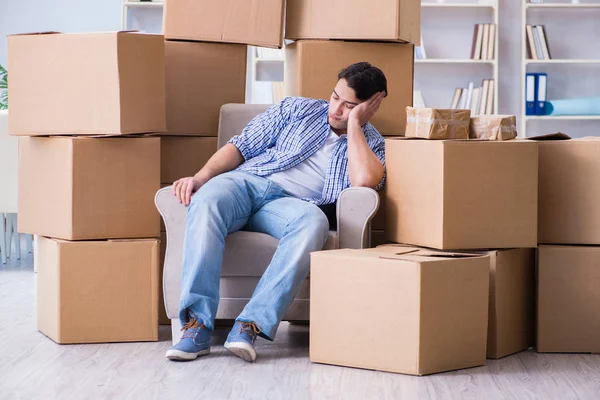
(306, 180)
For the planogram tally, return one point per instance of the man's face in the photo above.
(342, 101)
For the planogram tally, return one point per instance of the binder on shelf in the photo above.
(530, 94)
(540, 101)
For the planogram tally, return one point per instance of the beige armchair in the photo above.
(247, 254)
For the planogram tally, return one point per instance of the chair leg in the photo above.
(29, 243)
(17, 236)
(35, 253)
(9, 235)
(2, 239)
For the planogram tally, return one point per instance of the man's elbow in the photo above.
(367, 180)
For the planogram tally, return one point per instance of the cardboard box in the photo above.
(307, 78)
(568, 299)
(434, 123)
(512, 301)
(569, 208)
(78, 188)
(253, 22)
(184, 156)
(427, 311)
(163, 319)
(200, 78)
(461, 194)
(376, 20)
(493, 127)
(86, 84)
(99, 291)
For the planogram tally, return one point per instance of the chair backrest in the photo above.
(234, 118)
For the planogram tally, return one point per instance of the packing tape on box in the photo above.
(451, 124)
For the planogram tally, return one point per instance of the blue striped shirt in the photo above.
(289, 132)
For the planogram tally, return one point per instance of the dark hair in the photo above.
(365, 79)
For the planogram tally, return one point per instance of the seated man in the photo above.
(272, 178)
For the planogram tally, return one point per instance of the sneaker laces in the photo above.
(250, 329)
(189, 329)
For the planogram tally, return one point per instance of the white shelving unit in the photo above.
(442, 75)
(128, 5)
(264, 72)
(555, 12)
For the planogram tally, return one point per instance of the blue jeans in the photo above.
(234, 201)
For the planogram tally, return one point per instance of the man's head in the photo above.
(356, 84)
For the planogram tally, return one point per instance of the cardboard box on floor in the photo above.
(568, 303)
(461, 194)
(376, 20)
(200, 78)
(98, 291)
(86, 84)
(162, 312)
(78, 188)
(307, 78)
(425, 312)
(512, 301)
(569, 207)
(511, 314)
(253, 22)
(184, 156)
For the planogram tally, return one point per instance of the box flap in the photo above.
(411, 255)
(551, 136)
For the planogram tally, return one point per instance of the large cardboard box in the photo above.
(512, 301)
(568, 303)
(86, 84)
(426, 312)
(200, 78)
(98, 291)
(184, 156)
(376, 20)
(569, 208)
(462, 194)
(78, 188)
(253, 22)
(307, 78)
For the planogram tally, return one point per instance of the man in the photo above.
(272, 178)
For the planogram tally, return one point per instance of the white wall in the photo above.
(576, 36)
(19, 16)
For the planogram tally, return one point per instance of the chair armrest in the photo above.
(174, 215)
(356, 206)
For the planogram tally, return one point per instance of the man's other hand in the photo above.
(185, 188)
(365, 110)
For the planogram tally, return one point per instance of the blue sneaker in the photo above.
(194, 342)
(240, 340)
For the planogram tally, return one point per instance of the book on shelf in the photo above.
(537, 43)
(536, 84)
(484, 42)
(480, 100)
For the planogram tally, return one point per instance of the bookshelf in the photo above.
(126, 6)
(449, 64)
(573, 67)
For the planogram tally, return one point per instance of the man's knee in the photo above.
(315, 222)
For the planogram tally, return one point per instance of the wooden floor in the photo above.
(34, 367)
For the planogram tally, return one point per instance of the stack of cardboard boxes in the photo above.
(89, 197)
(568, 298)
(205, 66)
(467, 291)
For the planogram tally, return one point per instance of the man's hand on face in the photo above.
(365, 110)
